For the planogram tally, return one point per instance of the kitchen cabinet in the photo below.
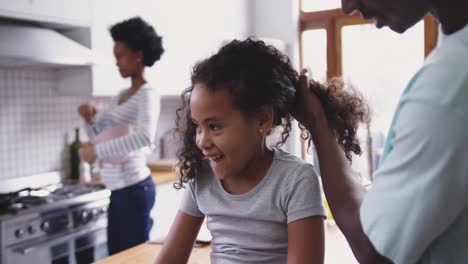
(86, 22)
(78, 12)
(16, 7)
(69, 13)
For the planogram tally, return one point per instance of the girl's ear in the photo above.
(265, 118)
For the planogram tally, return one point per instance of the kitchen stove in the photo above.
(61, 223)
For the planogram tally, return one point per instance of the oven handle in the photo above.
(60, 239)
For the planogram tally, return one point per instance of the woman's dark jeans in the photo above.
(129, 220)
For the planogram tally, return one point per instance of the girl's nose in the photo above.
(349, 6)
(203, 141)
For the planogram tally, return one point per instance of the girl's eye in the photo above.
(214, 127)
(197, 129)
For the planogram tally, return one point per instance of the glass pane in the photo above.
(319, 5)
(314, 57)
(380, 63)
(314, 52)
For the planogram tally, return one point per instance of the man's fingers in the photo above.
(303, 80)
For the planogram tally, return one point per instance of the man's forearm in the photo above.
(344, 194)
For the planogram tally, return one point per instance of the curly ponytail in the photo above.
(345, 107)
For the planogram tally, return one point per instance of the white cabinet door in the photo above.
(72, 11)
(15, 8)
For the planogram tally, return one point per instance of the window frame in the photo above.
(333, 21)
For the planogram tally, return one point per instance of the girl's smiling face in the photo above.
(227, 137)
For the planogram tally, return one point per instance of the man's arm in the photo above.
(343, 192)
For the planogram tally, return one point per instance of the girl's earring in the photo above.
(261, 130)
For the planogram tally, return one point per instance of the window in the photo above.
(319, 5)
(381, 76)
(314, 52)
(378, 62)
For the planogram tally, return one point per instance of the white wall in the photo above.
(279, 19)
(191, 31)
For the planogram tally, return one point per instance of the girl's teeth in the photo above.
(215, 158)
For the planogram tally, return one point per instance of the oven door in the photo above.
(80, 247)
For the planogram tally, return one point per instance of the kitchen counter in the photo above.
(336, 251)
(146, 254)
(160, 177)
(163, 171)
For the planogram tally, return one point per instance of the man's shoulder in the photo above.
(443, 80)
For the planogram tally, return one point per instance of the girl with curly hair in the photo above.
(121, 136)
(262, 204)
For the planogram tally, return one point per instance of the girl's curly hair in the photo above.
(345, 108)
(259, 75)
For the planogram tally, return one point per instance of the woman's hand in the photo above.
(87, 152)
(87, 111)
(309, 110)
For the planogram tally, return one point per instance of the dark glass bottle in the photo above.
(75, 156)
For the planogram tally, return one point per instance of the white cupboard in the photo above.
(69, 12)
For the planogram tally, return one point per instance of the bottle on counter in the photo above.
(75, 160)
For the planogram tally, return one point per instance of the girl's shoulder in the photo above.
(292, 167)
(205, 178)
(289, 160)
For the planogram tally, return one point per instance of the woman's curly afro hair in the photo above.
(138, 35)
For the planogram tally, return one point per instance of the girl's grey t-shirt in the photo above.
(252, 227)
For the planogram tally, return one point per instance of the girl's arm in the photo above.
(179, 242)
(306, 240)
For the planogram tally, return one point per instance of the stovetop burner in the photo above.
(72, 190)
(22, 199)
(29, 197)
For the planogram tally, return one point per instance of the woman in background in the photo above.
(135, 111)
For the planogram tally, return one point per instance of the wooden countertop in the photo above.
(163, 171)
(146, 254)
(336, 251)
(160, 177)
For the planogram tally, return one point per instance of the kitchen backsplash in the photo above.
(36, 124)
